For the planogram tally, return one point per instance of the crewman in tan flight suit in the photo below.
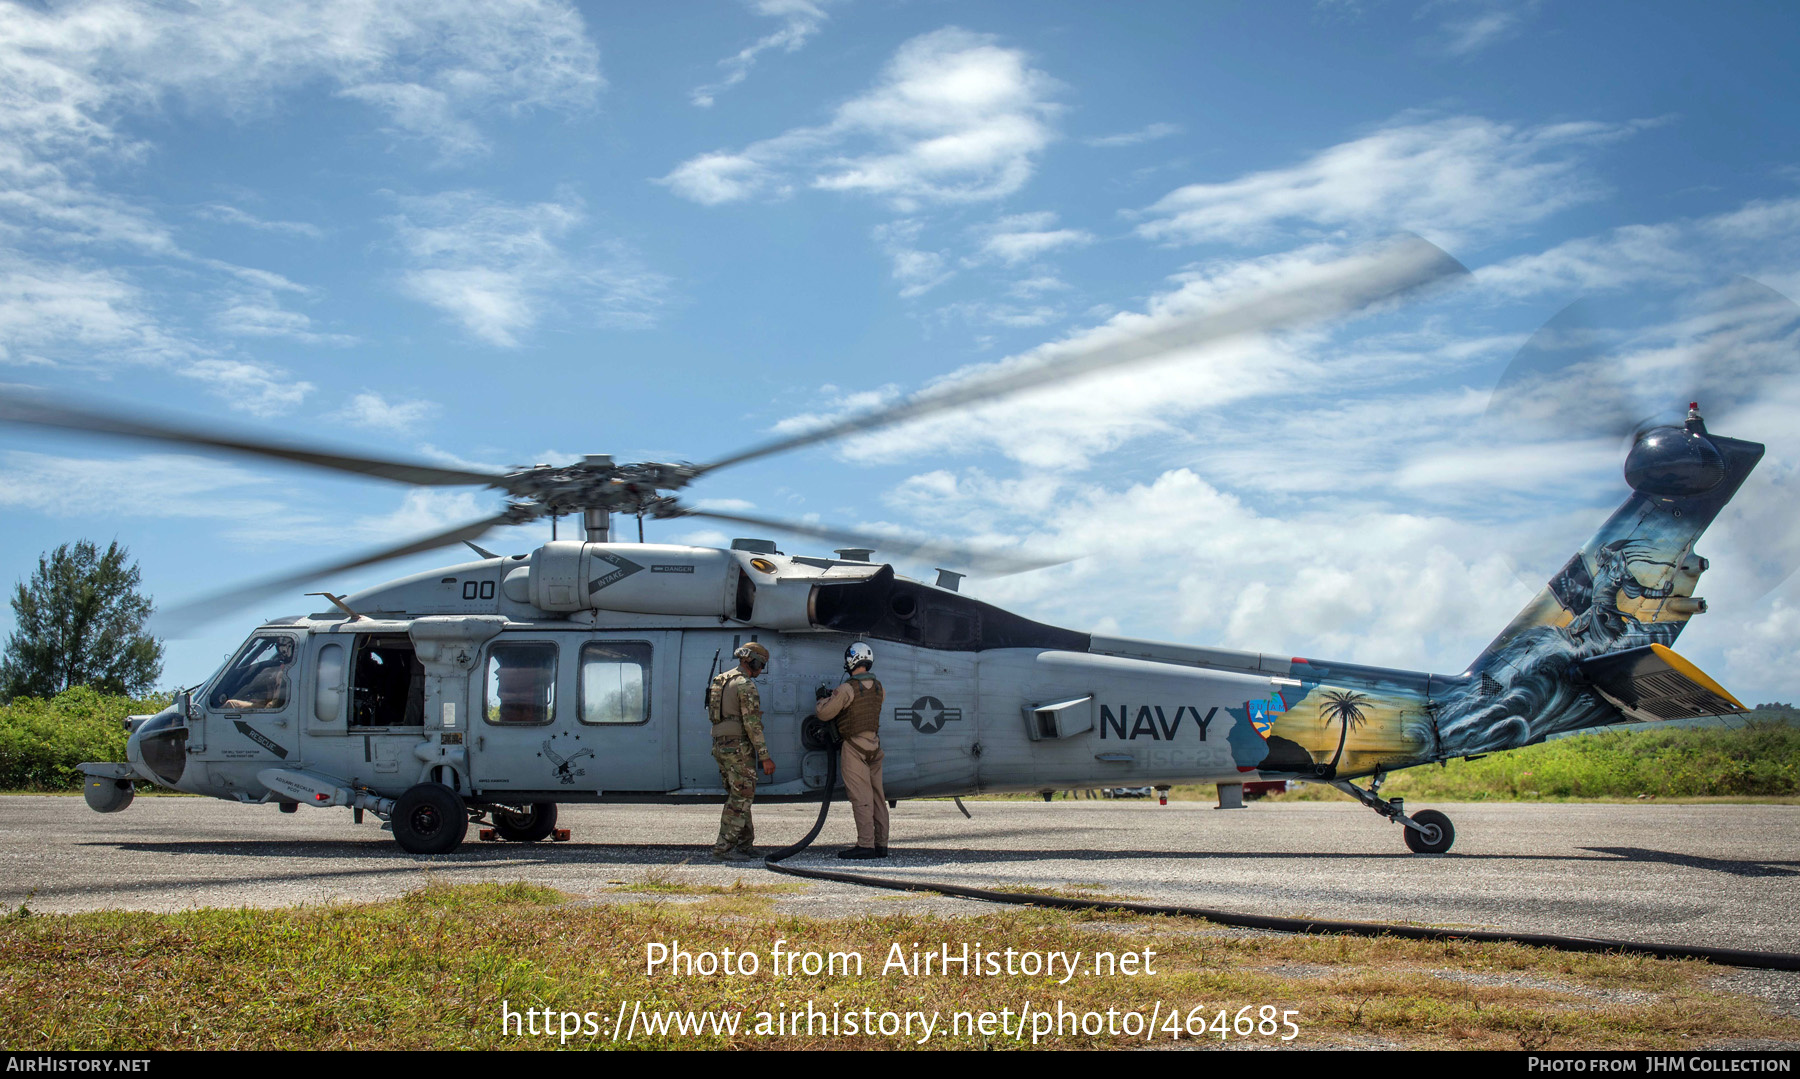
(856, 707)
(735, 709)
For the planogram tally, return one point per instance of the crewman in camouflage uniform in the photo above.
(735, 709)
(856, 707)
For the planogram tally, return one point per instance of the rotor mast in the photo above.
(598, 519)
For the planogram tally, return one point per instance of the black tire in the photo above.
(430, 819)
(1437, 836)
(528, 827)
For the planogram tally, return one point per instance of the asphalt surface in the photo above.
(1696, 875)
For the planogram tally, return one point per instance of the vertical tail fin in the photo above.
(1630, 586)
(1633, 582)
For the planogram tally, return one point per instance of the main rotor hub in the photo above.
(596, 483)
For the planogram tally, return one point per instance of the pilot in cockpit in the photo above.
(266, 685)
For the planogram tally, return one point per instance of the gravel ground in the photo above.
(1705, 875)
(1708, 875)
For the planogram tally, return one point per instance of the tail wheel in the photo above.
(430, 819)
(529, 826)
(1437, 834)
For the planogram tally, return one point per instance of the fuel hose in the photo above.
(1733, 957)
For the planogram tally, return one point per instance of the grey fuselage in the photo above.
(980, 700)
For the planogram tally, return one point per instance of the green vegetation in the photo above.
(435, 969)
(80, 622)
(41, 741)
(1757, 759)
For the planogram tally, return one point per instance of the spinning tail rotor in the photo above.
(1650, 372)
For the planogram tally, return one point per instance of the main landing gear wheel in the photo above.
(430, 819)
(534, 823)
(1437, 836)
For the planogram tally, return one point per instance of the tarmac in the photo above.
(1720, 875)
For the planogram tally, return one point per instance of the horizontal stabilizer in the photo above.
(1653, 682)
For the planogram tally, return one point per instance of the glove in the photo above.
(821, 693)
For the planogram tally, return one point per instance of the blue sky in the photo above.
(521, 230)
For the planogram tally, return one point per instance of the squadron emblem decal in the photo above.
(566, 768)
(928, 715)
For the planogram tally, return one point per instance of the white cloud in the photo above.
(1447, 178)
(916, 271)
(499, 268)
(371, 410)
(800, 20)
(257, 388)
(232, 215)
(148, 485)
(1037, 286)
(954, 118)
(257, 313)
(68, 73)
(1179, 554)
(76, 79)
(1147, 133)
(1760, 239)
(1024, 237)
(1465, 27)
(45, 306)
(1016, 316)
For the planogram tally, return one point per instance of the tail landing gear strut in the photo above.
(1427, 831)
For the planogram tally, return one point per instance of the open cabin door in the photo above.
(556, 712)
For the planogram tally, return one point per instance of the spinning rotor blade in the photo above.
(1606, 369)
(178, 620)
(1345, 286)
(991, 563)
(71, 418)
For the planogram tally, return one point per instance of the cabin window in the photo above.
(260, 679)
(521, 684)
(615, 682)
(328, 691)
(389, 687)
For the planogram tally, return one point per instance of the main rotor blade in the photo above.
(178, 620)
(72, 418)
(985, 561)
(1345, 286)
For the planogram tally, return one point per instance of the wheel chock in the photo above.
(489, 836)
(561, 835)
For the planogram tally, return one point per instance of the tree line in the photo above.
(79, 621)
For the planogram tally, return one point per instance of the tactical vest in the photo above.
(724, 726)
(863, 714)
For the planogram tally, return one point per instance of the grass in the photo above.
(436, 968)
(740, 897)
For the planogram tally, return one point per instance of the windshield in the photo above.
(259, 679)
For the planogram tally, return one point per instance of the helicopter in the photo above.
(493, 690)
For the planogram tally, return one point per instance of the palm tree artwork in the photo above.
(1347, 710)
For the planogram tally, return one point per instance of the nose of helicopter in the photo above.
(157, 749)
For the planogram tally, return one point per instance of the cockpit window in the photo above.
(261, 678)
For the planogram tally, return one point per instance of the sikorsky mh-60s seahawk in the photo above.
(497, 688)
